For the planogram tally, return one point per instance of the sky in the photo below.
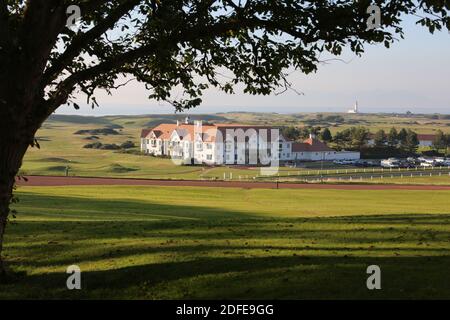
(413, 75)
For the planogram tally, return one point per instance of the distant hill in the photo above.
(164, 118)
(79, 119)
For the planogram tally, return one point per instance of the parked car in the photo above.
(427, 164)
(428, 160)
(390, 163)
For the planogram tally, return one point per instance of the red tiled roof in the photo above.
(426, 137)
(164, 131)
(209, 132)
(224, 127)
(310, 145)
(145, 132)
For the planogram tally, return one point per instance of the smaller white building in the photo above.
(313, 149)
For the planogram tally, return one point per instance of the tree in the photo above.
(359, 137)
(447, 138)
(291, 133)
(412, 142)
(402, 136)
(165, 45)
(326, 135)
(380, 139)
(304, 132)
(339, 140)
(392, 138)
(440, 141)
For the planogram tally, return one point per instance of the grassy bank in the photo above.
(159, 242)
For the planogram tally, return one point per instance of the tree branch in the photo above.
(4, 28)
(65, 88)
(81, 41)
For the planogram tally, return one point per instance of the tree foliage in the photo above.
(380, 138)
(189, 44)
(392, 137)
(412, 142)
(440, 141)
(325, 135)
(354, 138)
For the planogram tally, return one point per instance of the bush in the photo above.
(92, 138)
(110, 147)
(104, 131)
(432, 153)
(127, 145)
(95, 145)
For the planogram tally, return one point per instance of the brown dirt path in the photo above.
(88, 181)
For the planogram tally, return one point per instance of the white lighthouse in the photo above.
(355, 108)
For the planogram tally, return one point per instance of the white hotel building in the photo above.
(233, 144)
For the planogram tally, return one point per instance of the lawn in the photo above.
(170, 243)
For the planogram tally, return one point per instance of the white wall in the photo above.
(425, 143)
(327, 155)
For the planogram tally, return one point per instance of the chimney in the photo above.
(178, 123)
(186, 121)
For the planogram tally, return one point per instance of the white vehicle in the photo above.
(439, 161)
(390, 163)
(427, 164)
(430, 161)
(346, 162)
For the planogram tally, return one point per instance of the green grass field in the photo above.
(170, 243)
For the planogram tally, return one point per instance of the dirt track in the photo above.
(79, 181)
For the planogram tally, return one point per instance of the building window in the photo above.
(209, 146)
(209, 157)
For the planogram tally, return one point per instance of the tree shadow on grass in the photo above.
(197, 252)
(293, 277)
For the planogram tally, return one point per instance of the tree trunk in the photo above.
(11, 155)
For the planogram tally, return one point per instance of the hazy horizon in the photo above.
(198, 112)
